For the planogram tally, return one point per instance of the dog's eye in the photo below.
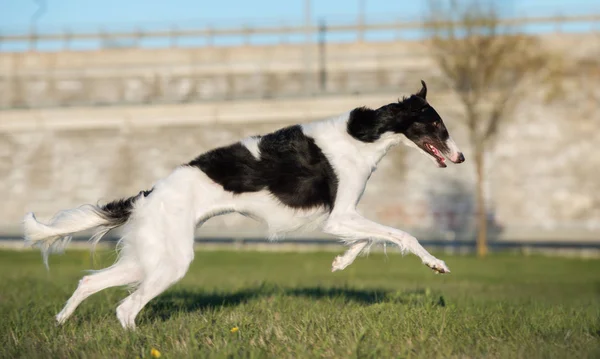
(436, 123)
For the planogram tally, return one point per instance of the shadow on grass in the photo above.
(183, 300)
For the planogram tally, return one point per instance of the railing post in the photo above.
(67, 39)
(559, 24)
(284, 34)
(139, 36)
(247, 32)
(173, 41)
(209, 36)
(361, 21)
(322, 56)
(307, 48)
(103, 38)
(32, 39)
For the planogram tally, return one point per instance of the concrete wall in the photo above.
(134, 76)
(191, 75)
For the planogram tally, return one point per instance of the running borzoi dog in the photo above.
(301, 176)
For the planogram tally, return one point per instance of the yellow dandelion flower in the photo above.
(234, 329)
(155, 353)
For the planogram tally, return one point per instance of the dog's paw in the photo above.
(338, 264)
(437, 265)
(61, 318)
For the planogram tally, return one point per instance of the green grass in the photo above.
(289, 305)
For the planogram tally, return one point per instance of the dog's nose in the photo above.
(461, 158)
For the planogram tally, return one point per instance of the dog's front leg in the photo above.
(354, 226)
(341, 262)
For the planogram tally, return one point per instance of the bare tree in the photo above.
(488, 64)
(586, 70)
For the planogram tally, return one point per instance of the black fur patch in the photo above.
(118, 212)
(364, 125)
(291, 166)
(233, 167)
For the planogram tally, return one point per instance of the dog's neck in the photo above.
(365, 126)
(375, 151)
(341, 140)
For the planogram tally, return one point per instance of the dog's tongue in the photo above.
(441, 161)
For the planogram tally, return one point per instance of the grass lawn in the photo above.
(289, 305)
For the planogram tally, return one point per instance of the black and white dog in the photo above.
(310, 175)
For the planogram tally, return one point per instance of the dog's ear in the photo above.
(423, 93)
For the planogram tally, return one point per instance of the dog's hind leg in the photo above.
(121, 273)
(164, 262)
(162, 234)
(154, 284)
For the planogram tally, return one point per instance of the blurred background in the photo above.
(100, 99)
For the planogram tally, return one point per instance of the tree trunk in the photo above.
(482, 247)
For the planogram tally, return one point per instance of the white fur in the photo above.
(55, 236)
(341, 262)
(251, 143)
(454, 151)
(157, 243)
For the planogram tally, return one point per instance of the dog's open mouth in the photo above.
(441, 161)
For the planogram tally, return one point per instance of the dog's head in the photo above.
(422, 127)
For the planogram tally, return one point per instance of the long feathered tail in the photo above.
(56, 235)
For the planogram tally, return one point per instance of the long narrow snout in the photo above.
(454, 154)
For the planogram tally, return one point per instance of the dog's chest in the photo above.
(287, 220)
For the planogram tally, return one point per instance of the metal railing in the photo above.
(172, 37)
